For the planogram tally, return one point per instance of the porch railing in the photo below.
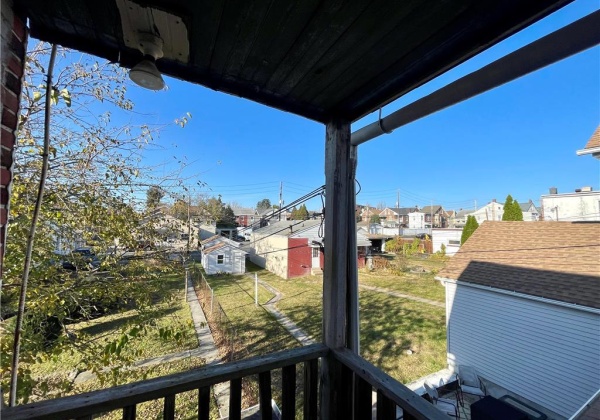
(355, 402)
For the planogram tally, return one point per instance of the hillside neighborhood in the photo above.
(451, 277)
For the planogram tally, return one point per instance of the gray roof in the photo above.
(403, 210)
(243, 211)
(286, 227)
(526, 206)
(428, 209)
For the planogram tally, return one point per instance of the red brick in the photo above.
(5, 176)
(9, 118)
(6, 157)
(15, 65)
(3, 196)
(10, 100)
(7, 138)
(12, 83)
(19, 28)
(17, 46)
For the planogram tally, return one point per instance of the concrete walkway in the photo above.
(206, 349)
(285, 322)
(402, 295)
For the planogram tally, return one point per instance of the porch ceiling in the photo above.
(318, 59)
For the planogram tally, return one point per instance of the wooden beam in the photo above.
(339, 177)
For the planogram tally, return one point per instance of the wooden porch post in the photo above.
(340, 291)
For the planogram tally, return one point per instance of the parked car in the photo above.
(80, 259)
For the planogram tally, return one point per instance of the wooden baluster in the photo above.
(363, 398)
(344, 402)
(128, 413)
(264, 395)
(169, 407)
(288, 399)
(311, 395)
(386, 409)
(204, 403)
(235, 399)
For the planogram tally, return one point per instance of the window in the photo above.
(453, 242)
(219, 259)
(315, 252)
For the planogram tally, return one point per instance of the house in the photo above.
(245, 216)
(592, 147)
(451, 214)
(222, 255)
(449, 237)
(581, 205)
(294, 248)
(396, 216)
(460, 219)
(437, 214)
(523, 307)
(416, 220)
(530, 212)
(366, 213)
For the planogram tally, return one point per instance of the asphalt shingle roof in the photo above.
(594, 141)
(554, 260)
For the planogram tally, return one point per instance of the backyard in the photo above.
(107, 350)
(404, 337)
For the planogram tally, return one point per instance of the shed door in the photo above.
(316, 260)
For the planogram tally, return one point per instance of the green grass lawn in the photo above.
(389, 326)
(257, 331)
(168, 315)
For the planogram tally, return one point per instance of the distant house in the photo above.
(523, 308)
(593, 145)
(530, 212)
(451, 214)
(435, 216)
(222, 255)
(245, 216)
(366, 213)
(581, 205)
(396, 216)
(293, 248)
(416, 220)
(449, 237)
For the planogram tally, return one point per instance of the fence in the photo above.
(224, 332)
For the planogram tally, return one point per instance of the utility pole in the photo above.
(280, 198)
(475, 204)
(398, 206)
(431, 214)
(189, 223)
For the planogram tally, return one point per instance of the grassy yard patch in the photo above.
(169, 313)
(391, 327)
(257, 331)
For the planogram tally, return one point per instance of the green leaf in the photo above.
(66, 96)
(37, 96)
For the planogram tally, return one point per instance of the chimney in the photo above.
(586, 189)
(493, 200)
(553, 190)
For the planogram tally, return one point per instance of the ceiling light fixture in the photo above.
(145, 73)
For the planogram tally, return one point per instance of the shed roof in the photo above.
(593, 145)
(318, 59)
(554, 260)
(286, 227)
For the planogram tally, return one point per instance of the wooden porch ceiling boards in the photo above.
(318, 59)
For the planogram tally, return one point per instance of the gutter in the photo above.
(520, 295)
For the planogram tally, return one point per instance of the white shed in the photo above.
(416, 220)
(223, 258)
(449, 237)
(523, 308)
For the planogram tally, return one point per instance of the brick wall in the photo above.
(13, 41)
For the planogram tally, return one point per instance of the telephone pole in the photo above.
(280, 198)
(398, 206)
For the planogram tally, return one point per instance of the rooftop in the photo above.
(554, 260)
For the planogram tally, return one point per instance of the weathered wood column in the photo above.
(340, 289)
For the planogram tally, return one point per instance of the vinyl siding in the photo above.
(546, 353)
(234, 262)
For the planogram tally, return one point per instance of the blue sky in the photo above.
(520, 138)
